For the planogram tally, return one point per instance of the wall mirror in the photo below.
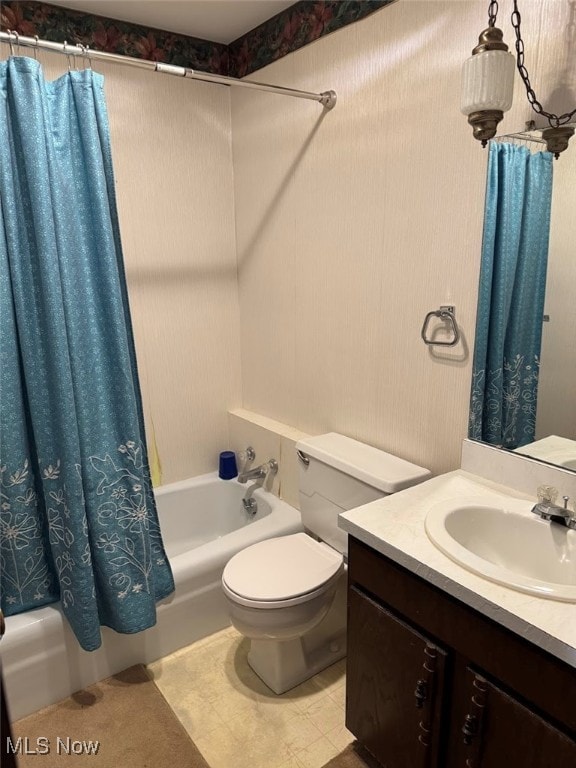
(552, 407)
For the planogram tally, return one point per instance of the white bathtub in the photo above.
(203, 525)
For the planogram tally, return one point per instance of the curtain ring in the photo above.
(65, 47)
(17, 36)
(36, 45)
(85, 56)
(10, 43)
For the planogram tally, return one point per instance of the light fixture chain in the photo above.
(553, 119)
(492, 13)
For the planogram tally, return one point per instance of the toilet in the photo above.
(288, 594)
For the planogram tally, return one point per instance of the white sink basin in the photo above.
(508, 544)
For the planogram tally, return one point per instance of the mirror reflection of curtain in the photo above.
(511, 296)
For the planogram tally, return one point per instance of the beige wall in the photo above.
(172, 155)
(353, 224)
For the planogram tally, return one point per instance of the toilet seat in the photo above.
(282, 571)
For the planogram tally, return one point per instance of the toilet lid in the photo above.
(281, 568)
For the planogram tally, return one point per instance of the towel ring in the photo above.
(446, 313)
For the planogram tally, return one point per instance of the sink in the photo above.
(506, 543)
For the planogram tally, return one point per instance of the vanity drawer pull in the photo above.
(421, 693)
(470, 728)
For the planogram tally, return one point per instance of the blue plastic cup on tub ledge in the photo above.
(227, 468)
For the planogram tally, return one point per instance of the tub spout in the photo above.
(260, 475)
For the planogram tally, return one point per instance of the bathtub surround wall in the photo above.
(351, 226)
(178, 234)
(270, 439)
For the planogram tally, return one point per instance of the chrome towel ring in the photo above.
(447, 314)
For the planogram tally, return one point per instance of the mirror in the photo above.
(555, 434)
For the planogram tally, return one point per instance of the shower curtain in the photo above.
(511, 296)
(78, 520)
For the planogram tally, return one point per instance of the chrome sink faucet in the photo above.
(260, 474)
(548, 510)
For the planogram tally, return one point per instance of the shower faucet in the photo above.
(260, 474)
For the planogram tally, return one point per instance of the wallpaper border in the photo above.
(296, 26)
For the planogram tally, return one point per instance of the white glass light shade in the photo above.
(488, 82)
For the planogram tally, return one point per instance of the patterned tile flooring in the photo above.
(237, 722)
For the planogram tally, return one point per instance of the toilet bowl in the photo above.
(288, 594)
(269, 598)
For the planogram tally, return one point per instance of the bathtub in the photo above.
(203, 524)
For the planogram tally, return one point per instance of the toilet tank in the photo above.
(338, 473)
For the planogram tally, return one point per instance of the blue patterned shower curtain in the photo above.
(511, 296)
(78, 521)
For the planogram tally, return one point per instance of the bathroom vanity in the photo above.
(446, 669)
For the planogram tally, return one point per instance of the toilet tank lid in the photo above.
(372, 466)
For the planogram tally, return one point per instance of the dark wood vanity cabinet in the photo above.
(431, 683)
(395, 685)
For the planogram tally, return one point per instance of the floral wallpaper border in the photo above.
(298, 25)
(52, 22)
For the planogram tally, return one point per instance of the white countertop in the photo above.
(394, 526)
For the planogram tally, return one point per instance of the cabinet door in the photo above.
(394, 685)
(496, 731)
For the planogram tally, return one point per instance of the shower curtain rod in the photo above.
(14, 40)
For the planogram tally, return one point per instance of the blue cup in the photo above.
(227, 467)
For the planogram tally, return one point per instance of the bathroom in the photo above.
(281, 259)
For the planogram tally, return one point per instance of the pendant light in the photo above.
(488, 81)
(488, 86)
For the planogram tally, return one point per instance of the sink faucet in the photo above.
(547, 510)
(260, 475)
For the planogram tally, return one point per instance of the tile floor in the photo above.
(237, 722)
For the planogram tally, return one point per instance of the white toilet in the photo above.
(288, 594)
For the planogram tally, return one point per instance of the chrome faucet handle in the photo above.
(566, 500)
(247, 457)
